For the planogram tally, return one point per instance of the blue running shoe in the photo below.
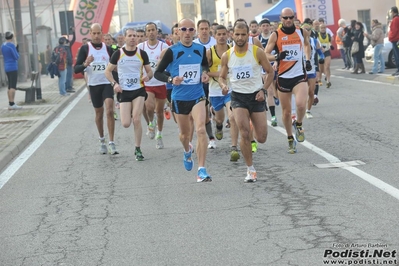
(203, 176)
(188, 161)
(276, 101)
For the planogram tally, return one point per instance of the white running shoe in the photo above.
(212, 144)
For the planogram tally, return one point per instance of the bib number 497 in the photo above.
(190, 74)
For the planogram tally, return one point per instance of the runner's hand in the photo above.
(308, 65)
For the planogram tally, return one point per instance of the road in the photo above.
(68, 205)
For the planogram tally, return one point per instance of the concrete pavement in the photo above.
(19, 127)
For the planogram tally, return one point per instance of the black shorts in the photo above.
(185, 107)
(327, 53)
(247, 101)
(12, 77)
(287, 85)
(129, 96)
(99, 93)
(169, 95)
(205, 86)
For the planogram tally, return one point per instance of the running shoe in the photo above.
(151, 130)
(328, 85)
(320, 83)
(219, 133)
(315, 101)
(166, 113)
(276, 101)
(112, 149)
(159, 144)
(227, 123)
(203, 176)
(251, 177)
(14, 107)
(291, 146)
(293, 118)
(191, 147)
(103, 147)
(212, 144)
(139, 155)
(254, 146)
(117, 106)
(308, 115)
(274, 121)
(115, 115)
(188, 161)
(299, 132)
(234, 155)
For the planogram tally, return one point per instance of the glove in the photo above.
(332, 47)
(321, 61)
(281, 55)
(308, 65)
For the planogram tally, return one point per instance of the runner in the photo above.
(242, 64)
(207, 41)
(188, 68)
(93, 58)
(131, 92)
(292, 46)
(218, 100)
(156, 90)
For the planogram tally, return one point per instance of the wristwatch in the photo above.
(170, 80)
(113, 84)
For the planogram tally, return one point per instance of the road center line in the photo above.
(27, 153)
(394, 192)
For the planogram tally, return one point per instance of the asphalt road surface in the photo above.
(335, 201)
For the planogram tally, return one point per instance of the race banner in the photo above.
(315, 9)
(87, 12)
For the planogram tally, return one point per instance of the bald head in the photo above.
(287, 11)
(186, 21)
(96, 33)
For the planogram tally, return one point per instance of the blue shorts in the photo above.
(311, 76)
(218, 102)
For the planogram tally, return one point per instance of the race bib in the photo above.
(153, 64)
(99, 67)
(242, 72)
(294, 52)
(130, 81)
(191, 74)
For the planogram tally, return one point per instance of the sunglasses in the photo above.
(187, 29)
(290, 17)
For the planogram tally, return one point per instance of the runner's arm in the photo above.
(223, 73)
(163, 64)
(265, 63)
(270, 47)
(80, 61)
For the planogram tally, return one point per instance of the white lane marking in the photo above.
(367, 81)
(387, 188)
(27, 153)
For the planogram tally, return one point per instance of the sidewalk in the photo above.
(19, 127)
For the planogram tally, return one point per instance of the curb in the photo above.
(19, 144)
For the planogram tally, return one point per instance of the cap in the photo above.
(61, 40)
(9, 35)
(264, 21)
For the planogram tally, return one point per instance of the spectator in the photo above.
(358, 56)
(59, 58)
(393, 36)
(339, 41)
(377, 41)
(47, 56)
(11, 56)
(351, 33)
(69, 79)
(347, 42)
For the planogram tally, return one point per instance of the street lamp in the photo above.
(34, 49)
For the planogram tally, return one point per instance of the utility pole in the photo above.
(54, 21)
(23, 63)
(34, 48)
(66, 20)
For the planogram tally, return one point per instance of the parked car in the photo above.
(387, 52)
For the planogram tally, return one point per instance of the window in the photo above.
(364, 16)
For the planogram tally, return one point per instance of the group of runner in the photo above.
(239, 76)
